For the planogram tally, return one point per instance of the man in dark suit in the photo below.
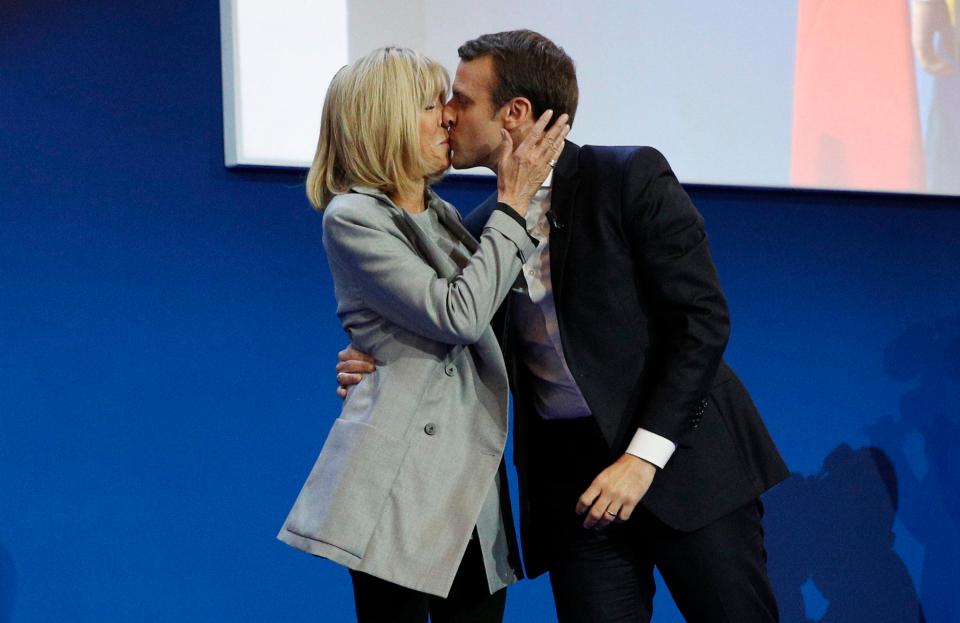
(636, 446)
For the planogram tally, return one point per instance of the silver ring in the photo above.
(611, 514)
(552, 163)
(339, 382)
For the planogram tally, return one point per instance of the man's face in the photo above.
(474, 123)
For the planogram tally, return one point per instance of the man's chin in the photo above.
(461, 165)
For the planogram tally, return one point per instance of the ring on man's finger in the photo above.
(611, 514)
(553, 163)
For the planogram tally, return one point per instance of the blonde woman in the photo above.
(409, 490)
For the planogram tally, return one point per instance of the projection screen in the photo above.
(810, 94)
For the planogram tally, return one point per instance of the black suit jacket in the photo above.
(644, 324)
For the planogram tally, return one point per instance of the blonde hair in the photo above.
(369, 132)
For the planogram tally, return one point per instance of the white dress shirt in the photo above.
(555, 392)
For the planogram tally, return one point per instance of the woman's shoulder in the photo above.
(356, 206)
(351, 200)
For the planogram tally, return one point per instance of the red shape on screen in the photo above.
(856, 122)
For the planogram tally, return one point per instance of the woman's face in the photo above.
(434, 142)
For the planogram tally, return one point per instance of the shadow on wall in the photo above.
(8, 586)
(835, 529)
(922, 444)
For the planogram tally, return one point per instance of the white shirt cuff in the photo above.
(651, 447)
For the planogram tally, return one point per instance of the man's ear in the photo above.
(517, 113)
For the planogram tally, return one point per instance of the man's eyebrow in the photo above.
(457, 93)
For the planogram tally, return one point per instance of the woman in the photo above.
(409, 490)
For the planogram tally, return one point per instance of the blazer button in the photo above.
(430, 429)
(450, 369)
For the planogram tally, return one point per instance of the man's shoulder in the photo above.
(622, 156)
(477, 218)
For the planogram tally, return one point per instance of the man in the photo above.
(635, 445)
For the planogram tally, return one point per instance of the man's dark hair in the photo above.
(527, 64)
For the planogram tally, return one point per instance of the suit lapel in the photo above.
(566, 179)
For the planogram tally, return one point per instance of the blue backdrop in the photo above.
(167, 338)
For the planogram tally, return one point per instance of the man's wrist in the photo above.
(651, 447)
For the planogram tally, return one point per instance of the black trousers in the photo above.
(715, 574)
(469, 601)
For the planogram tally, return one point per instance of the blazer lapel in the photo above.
(424, 243)
(566, 179)
(451, 220)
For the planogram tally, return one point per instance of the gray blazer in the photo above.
(414, 461)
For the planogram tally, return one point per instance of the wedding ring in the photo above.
(552, 163)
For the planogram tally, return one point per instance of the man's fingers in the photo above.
(626, 511)
(356, 366)
(345, 379)
(350, 353)
(610, 515)
(587, 498)
(597, 512)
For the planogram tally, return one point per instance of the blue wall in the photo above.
(167, 337)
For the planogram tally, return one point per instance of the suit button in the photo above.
(430, 429)
(450, 369)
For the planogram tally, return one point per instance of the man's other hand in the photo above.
(351, 366)
(615, 493)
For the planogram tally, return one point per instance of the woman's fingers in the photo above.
(534, 138)
(541, 123)
(556, 133)
(558, 144)
(506, 144)
(523, 167)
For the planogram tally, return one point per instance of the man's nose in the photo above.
(449, 118)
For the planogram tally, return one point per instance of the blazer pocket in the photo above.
(342, 500)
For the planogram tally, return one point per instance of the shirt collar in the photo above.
(548, 183)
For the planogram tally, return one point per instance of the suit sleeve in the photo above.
(397, 284)
(691, 323)
(477, 218)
